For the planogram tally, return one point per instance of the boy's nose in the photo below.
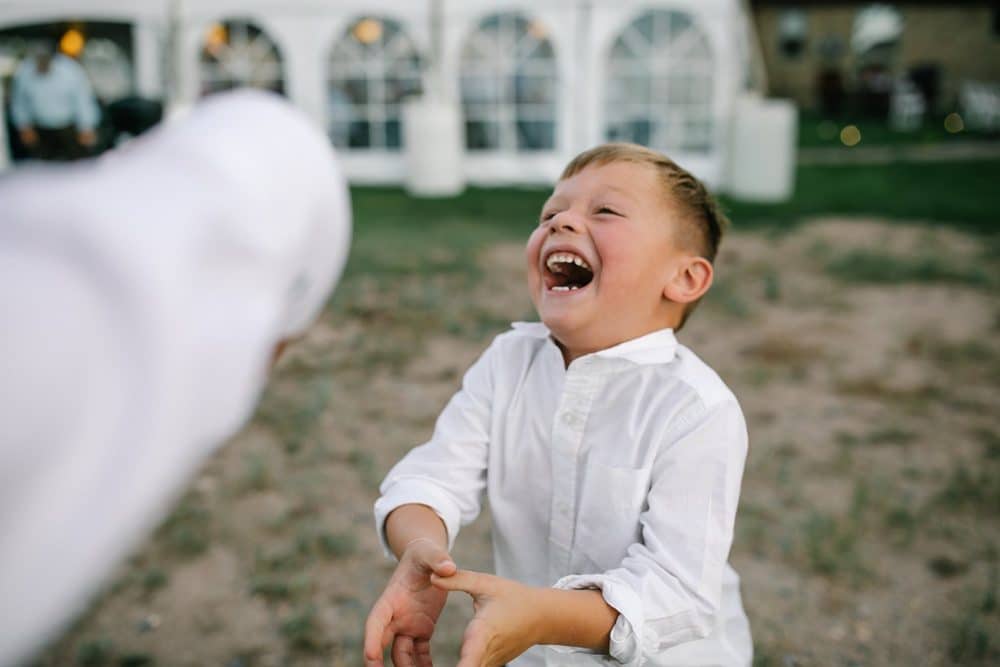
(565, 221)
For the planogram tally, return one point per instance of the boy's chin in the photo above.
(566, 328)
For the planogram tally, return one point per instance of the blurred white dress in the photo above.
(141, 297)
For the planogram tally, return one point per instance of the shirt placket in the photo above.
(568, 426)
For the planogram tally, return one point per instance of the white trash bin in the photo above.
(433, 140)
(763, 151)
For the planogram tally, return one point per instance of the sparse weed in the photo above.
(977, 490)
(301, 631)
(95, 653)
(256, 473)
(364, 462)
(153, 580)
(337, 545)
(293, 415)
(186, 532)
(972, 636)
(829, 544)
(725, 296)
(891, 435)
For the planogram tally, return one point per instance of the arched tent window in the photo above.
(508, 82)
(238, 53)
(109, 67)
(661, 76)
(372, 69)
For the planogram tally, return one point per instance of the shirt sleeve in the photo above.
(448, 473)
(668, 588)
(85, 105)
(20, 106)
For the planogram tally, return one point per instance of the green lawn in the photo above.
(963, 194)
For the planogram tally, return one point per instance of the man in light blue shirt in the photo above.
(53, 106)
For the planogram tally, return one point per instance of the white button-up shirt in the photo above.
(620, 473)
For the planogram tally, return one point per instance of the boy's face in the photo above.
(601, 257)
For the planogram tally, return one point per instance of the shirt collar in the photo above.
(658, 347)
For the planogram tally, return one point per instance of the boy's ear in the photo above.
(690, 280)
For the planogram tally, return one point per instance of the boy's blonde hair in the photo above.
(702, 220)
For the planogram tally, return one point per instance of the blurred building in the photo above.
(537, 81)
(833, 54)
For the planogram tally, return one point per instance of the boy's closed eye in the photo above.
(607, 210)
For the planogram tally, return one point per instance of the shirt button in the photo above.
(569, 419)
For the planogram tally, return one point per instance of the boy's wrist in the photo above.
(411, 543)
(579, 618)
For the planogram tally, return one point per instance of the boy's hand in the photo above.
(506, 623)
(408, 609)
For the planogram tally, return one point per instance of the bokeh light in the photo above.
(953, 123)
(850, 135)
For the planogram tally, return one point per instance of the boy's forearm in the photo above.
(579, 618)
(410, 522)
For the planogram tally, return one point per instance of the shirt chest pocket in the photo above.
(608, 519)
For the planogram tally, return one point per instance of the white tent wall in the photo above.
(305, 31)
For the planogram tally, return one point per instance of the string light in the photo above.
(368, 31)
(72, 43)
(216, 38)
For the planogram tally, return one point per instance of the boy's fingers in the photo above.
(444, 566)
(473, 583)
(402, 652)
(473, 648)
(422, 650)
(435, 558)
(429, 554)
(376, 629)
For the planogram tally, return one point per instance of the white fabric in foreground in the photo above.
(142, 295)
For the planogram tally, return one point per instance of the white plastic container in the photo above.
(433, 140)
(763, 150)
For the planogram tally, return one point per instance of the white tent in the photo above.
(537, 81)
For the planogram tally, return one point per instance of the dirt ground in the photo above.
(866, 356)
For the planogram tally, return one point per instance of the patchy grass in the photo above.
(187, 532)
(153, 580)
(976, 490)
(301, 630)
(305, 550)
(95, 653)
(891, 435)
(870, 266)
(972, 636)
(293, 415)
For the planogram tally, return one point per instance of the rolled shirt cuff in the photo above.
(624, 644)
(416, 491)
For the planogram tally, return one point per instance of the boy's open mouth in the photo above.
(567, 271)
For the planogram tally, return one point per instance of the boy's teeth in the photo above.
(564, 288)
(566, 258)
